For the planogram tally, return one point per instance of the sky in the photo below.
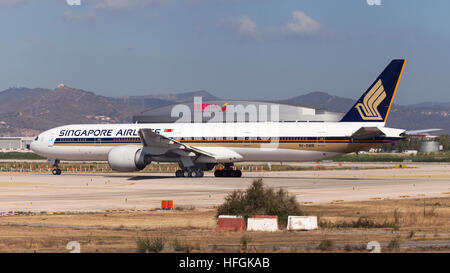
(234, 49)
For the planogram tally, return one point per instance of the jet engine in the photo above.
(128, 158)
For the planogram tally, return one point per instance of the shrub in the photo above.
(182, 246)
(396, 217)
(260, 200)
(394, 244)
(245, 240)
(326, 245)
(154, 244)
(348, 247)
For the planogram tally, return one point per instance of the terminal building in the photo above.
(19, 144)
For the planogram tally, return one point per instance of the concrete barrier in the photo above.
(262, 223)
(230, 223)
(302, 223)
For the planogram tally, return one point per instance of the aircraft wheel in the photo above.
(228, 173)
(56, 171)
(178, 173)
(187, 173)
(237, 173)
(198, 173)
(218, 173)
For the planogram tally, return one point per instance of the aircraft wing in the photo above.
(157, 144)
(367, 132)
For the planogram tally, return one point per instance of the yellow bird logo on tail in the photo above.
(369, 108)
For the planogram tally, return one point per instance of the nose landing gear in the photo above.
(56, 170)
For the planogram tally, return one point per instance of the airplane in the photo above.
(199, 147)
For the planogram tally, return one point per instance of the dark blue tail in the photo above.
(375, 103)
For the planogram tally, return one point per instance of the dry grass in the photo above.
(199, 218)
(431, 214)
(196, 230)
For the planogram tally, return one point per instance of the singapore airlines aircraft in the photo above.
(197, 147)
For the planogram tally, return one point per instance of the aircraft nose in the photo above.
(37, 145)
(32, 146)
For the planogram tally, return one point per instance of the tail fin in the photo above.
(375, 103)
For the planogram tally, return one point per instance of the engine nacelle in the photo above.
(127, 158)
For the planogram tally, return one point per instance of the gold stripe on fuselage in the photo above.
(343, 146)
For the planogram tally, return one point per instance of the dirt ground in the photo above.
(404, 225)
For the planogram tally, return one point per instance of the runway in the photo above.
(33, 192)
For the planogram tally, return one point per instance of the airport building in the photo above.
(19, 144)
(235, 111)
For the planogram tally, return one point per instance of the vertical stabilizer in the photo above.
(376, 102)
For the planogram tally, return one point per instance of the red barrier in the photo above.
(231, 224)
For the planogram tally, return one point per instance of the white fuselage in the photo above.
(259, 141)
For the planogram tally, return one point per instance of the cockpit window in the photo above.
(36, 138)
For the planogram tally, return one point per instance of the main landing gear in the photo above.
(198, 171)
(189, 172)
(56, 170)
(228, 171)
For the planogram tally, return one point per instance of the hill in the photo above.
(25, 111)
(322, 100)
(29, 111)
(167, 99)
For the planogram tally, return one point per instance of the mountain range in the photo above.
(26, 112)
(167, 99)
